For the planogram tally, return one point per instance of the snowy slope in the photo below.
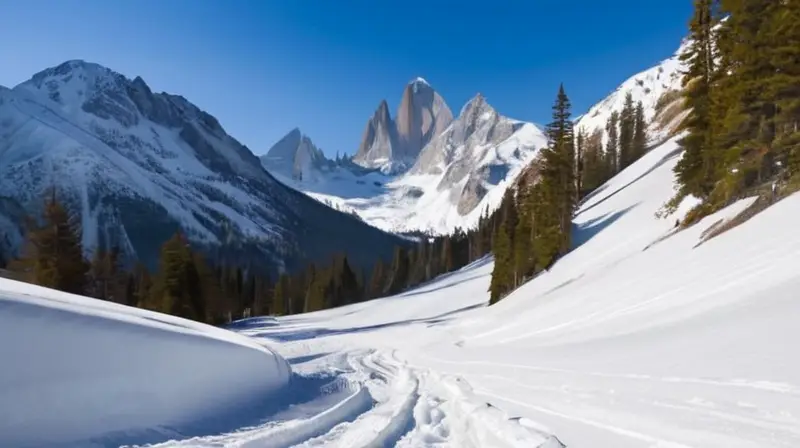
(631, 340)
(82, 372)
(648, 87)
(461, 173)
(138, 165)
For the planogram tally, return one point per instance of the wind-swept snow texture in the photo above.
(81, 372)
(637, 338)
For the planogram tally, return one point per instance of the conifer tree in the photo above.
(377, 281)
(53, 255)
(639, 132)
(554, 197)
(580, 150)
(612, 146)
(626, 132)
(176, 289)
(399, 272)
(692, 170)
(502, 277)
(281, 296)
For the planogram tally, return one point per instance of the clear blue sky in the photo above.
(263, 67)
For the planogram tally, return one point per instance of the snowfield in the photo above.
(635, 339)
(83, 372)
(639, 337)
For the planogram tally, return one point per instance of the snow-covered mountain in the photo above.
(138, 165)
(394, 144)
(459, 173)
(657, 88)
(295, 157)
(466, 167)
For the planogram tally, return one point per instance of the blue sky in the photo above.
(263, 67)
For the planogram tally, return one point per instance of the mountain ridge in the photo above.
(137, 166)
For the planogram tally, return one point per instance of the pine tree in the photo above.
(502, 280)
(626, 132)
(399, 272)
(612, 146)
(377, 281)
(176, 289)
(281, 296)
(554, 197)
(580, 149)
(639, 132)
(692, 170)
(53, 255)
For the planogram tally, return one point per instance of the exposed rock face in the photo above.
(294, 156)
(421, 116)
(379, 141)
(136, 166)
(476, 153)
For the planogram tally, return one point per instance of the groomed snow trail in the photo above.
(637, 338)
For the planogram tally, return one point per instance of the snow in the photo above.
(648, 87)
(82, 372)
(418, 201)
(637, 338)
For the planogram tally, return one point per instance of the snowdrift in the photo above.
(78, 372)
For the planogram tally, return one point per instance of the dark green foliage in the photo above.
(612, 146)
(52, 255)
(627, 124)
(743, 89)
(639, 132)
(502, 274)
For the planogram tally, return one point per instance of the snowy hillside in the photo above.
(656, 88)
(631, 340)
(461, 173)
(138, 165)
(82, 372)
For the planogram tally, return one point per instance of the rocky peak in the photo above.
(294, 156)
(421, 116)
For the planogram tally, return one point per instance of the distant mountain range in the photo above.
(138, 165)
(427, 171)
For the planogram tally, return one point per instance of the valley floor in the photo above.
(637, 338)
(632, 340)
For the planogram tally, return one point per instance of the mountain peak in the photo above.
(475, 106)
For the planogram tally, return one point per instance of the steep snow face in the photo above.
(91, 373)
(656, 84)
(392, 145)
(137, 166)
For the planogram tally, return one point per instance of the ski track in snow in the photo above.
(623, 343)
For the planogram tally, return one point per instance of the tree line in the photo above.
(187, 284)
(533, 226)
(742, 87)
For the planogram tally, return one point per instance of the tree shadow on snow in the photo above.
(584, 232)
(312, 333)
(671, 155)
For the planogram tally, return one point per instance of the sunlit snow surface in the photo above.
(631, 340)
(624, 343)
(80, 372)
